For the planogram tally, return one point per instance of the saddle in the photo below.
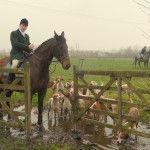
(141, 58)
(20, 65)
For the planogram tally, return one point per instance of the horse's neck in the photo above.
(43, 55)
(146, 55)
(45, 51)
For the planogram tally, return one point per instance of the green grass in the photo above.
(107, 64)
(110, 64)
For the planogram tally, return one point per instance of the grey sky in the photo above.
(88, 24)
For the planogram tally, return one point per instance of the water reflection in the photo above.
(94, 137)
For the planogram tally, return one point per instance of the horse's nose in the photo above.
(67, 66)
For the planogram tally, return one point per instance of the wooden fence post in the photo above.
(75, 88)
(27, 96)
(119, 104)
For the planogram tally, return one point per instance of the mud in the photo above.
(78, 135)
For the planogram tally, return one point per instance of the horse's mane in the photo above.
(60, 38)
(42, 44)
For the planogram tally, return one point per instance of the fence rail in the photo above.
(20, 84)
(80, 81)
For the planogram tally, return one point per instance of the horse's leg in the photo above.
(139, 64)
(41, 95)
(135, 63)
(146, 65)
(8, 104)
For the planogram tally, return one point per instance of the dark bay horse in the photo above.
(40, 61)
(145, 60)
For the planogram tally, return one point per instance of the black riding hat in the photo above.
(24, 21)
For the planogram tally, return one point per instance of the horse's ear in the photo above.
(63, 34)
(55, 34)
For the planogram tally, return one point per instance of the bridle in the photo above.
(32, 54)
(59, 60)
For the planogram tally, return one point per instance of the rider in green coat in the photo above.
(20, 43)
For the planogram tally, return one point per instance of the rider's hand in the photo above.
(31, 46)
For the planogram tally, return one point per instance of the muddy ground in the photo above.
(68, 135)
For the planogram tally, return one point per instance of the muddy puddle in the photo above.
(80, 135)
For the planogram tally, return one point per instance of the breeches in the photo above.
(15, 63)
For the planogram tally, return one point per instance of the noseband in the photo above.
(61, 59)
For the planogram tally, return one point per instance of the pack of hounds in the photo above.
(60, 105)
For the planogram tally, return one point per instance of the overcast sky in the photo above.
(88, 24)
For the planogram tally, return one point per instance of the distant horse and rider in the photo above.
(142, 57)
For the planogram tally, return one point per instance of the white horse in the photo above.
(145, 60)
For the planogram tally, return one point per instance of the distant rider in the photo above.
(142, 52)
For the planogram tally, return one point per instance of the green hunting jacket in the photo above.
(19, 44)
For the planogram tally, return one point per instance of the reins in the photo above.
(59, 60)
(44, 60)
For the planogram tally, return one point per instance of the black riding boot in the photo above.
(11, 77)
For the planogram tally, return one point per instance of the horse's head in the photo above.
(61, 50)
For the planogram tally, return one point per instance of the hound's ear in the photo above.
(63, 34)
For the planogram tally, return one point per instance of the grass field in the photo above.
(110, 64)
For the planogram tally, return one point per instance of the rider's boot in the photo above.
(11, 77)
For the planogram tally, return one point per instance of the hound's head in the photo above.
(93, 83)
(122, 137)
(67, 94)
(59, 79)
(72, 83)
(56, 96)
(67, 85)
